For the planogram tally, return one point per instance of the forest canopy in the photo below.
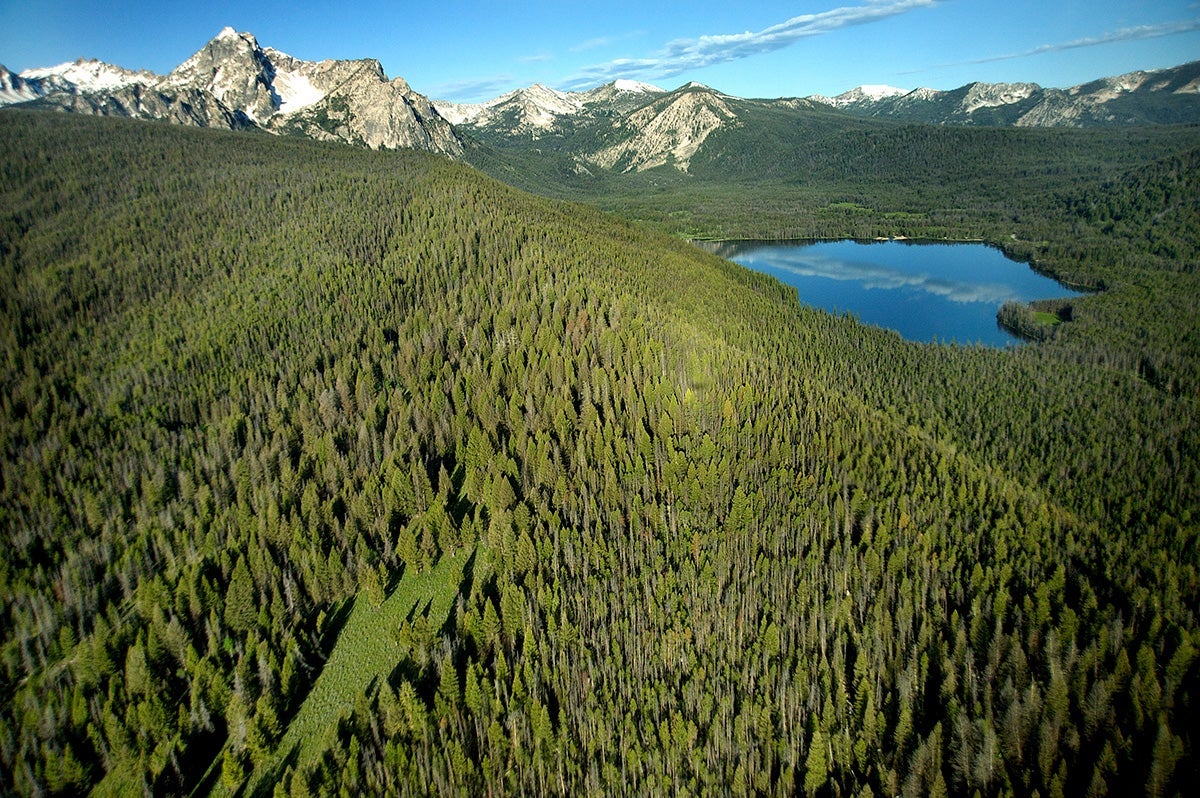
(335, 470)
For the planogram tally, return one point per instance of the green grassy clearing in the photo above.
(366, 652)
(1049, 319)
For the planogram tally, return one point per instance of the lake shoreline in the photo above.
(924, 289)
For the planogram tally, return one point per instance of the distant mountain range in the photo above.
(539, 108)
(622, 126)
(1162, 96)
(234, 83)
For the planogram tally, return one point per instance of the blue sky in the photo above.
(470, 50)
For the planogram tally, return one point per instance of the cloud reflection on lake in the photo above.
(924, 291)
(880, 276)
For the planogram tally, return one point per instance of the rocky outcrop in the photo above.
(669, 130)
(75, 77)
(366, 108)
(234, 70)
(539, 109)
(181, 106)
(16, 89)
(1162, 96)
(536, 108)
(233, 82)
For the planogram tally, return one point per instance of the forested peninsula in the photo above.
(328, 471)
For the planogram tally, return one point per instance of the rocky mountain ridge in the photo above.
(668, 130)
(632, 128)
(232, 82)
(538, 109)
(1143, 97)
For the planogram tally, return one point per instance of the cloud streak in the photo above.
(682, 55)
(469, 90)
(1136, 33)
(881, 276)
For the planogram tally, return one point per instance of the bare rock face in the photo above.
(367, 109)
(235, 70)
(539, 110)
(16, 89)
(1164, 96)
(75, 77)
(182, 106)
(668, 131)
(523, 111)
(234, 83)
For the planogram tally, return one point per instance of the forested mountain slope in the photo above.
(1115, 209)
(246, 380)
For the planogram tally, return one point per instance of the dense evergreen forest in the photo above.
(336, 471)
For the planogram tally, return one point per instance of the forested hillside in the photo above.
(613, 515)
(1108, 208)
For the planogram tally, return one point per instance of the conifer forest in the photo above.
(328, 471)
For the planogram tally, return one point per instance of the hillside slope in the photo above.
(280, 373)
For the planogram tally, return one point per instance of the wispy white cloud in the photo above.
(471, 90)
(681, 55)
(605, 41)
(1132, 34)
(593, 44)
(537, 58)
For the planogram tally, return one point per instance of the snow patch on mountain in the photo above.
(536, 108)
(540, 105)
(878, 91)
(860, 94)
(993, 95)
(1191, 87)
(456, 113)
(295, 91)
(15, 89)
(90, 75)
(635, 87)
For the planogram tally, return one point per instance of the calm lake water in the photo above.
(924, 291)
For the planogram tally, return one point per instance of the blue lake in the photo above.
(924, 291)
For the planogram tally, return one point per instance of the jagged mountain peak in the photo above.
(992, 95)
(668, 130)
(530, 109)
(866, 93)
(235, 70)
(634, 86)
(620, 96)
(234, 82)
(89, 74)
(1140, 97)
(16, 89)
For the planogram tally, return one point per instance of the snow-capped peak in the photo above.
(536, 107)
(634, 86)
(295, 91)
(90, 75)
(868, 93)
(879, 91)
